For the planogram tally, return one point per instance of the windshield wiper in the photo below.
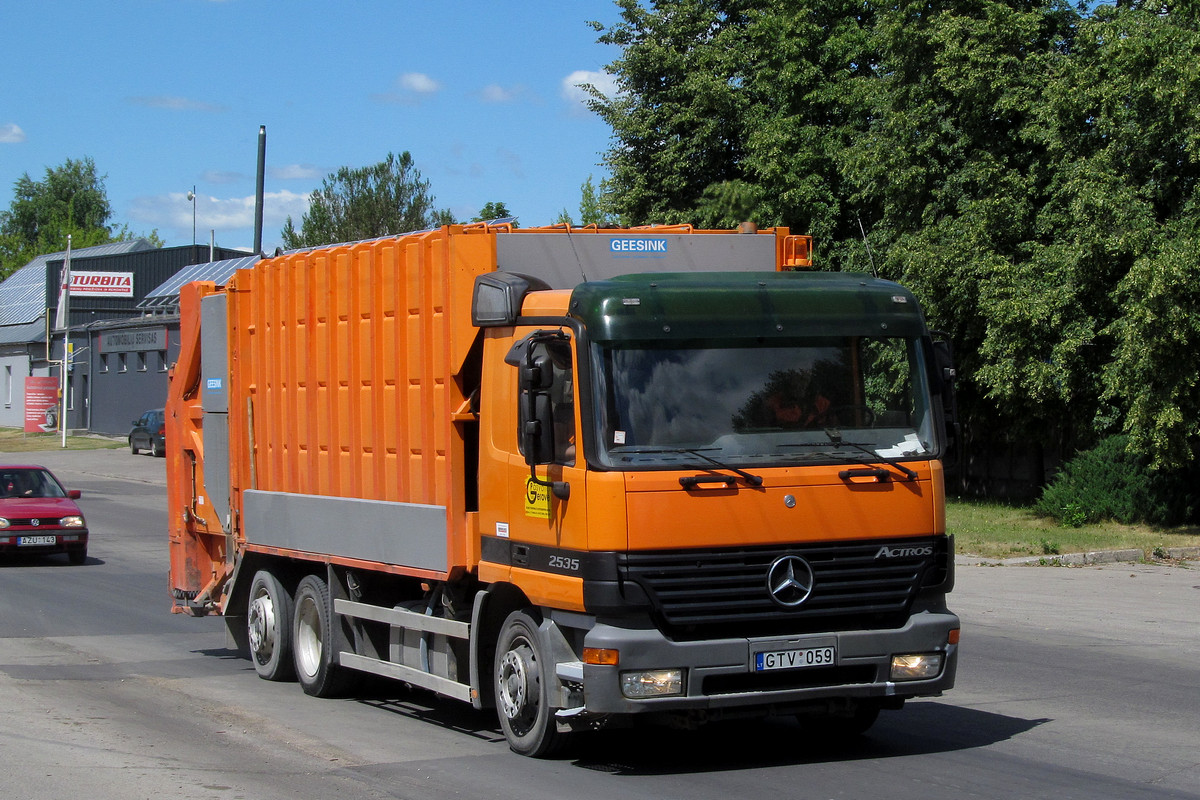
(692, 480)
(835, 436)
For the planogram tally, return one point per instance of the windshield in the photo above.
(765, 402)
(19, 482)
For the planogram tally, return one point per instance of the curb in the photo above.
(1084, 559)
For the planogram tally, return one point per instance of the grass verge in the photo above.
(996, 530)
(14, 440)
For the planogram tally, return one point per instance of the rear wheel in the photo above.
(156, 449)
(524, 678)
(269, 625)
(315, 643)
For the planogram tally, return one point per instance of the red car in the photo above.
(37, 515)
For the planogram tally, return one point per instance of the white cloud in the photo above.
(419, 82)
(572, 93)
(11, 133)
(169, 103)
(293, 172)
(223, 176)
(410, 87)
(172, 213)
(494, 93)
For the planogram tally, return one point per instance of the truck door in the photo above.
(536, 514)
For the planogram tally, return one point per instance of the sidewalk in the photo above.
(1080, 559)
(119, 464)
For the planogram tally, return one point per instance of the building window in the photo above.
(7, 385)
(121, 365)
(141, 361)
(104, 362)
(162, 360)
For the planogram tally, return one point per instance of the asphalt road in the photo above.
(1073, 683)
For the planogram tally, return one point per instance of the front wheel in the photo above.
(315, 641)
(524, 679)
(269, 625)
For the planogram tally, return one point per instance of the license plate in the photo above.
(23, 541)
(769, 660)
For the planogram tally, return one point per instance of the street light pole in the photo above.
(192, 197)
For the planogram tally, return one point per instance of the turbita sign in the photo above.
(101, 284)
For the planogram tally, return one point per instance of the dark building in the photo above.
(127, 357)
(123, 329)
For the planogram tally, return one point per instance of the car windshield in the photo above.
(29, 483)
(762, 402)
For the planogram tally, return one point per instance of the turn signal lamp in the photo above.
(601, 657)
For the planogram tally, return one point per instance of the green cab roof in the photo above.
(745, 305)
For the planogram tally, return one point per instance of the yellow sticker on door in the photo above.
(537, 500)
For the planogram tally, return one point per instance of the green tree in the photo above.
(492, 210)
(364, 203)
(592, 208)
(1031, 168)
(70, 201)
(679, 114)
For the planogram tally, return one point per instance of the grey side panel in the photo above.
(214, 354)
(566, 260)
(216, 464)
(405, 534)
(214, 399)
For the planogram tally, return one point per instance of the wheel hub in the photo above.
(513, 684)
(258, 624)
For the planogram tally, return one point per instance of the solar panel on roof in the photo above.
(23, 294)
(219, 272)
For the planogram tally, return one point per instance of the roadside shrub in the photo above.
(1109, 482)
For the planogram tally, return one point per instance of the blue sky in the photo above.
(165, 95)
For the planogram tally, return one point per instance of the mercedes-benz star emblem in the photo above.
(790, 581)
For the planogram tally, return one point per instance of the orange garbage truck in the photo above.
(583, 477)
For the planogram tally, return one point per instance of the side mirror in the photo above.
(535, 382)
(537, 429)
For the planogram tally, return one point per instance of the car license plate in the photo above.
(769, 660)
(23, 541)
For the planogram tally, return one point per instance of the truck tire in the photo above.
(269, 625)
(524, 677)
(315, 641)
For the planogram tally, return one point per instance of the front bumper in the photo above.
(65, 540)
(718, 675)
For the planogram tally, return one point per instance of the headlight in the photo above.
(652, 683)
(4, 523)
(916, 666)
(74, 521)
